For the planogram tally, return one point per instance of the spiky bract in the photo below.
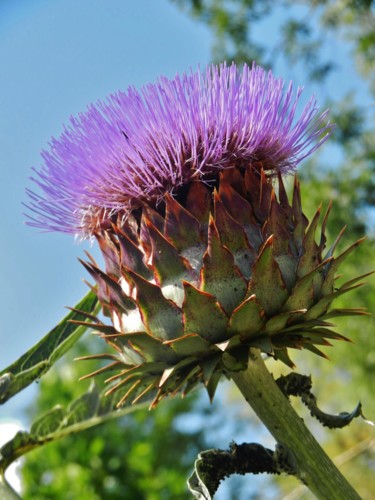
(137, 146)
(191, 286)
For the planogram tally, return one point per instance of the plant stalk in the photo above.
(6, 491)
(313, 466)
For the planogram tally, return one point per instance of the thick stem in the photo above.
(6, 491)
(313, 467)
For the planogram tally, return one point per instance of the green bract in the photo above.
(192, 284)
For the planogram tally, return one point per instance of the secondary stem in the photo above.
(314, 468)
(6, 491)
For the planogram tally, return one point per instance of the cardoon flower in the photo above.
(206, 258)
(136, 147)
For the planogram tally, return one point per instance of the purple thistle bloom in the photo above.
(137, 146)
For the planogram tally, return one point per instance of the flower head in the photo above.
(139, 145)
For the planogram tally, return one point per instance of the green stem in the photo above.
(6, 491)
(313, 467)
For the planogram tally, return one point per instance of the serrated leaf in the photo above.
(90, 409)
(83, 408)
(39, 359)
(48, 423)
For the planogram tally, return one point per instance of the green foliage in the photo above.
(38, 360)
(88, 410)
(301, 30)
(139, 456)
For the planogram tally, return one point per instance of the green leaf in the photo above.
(39, 359)
(89, 409)
(48, 423)
(213, 466)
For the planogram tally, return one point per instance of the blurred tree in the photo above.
(141, 456)
(302, 29)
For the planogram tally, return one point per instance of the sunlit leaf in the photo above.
(39, 359)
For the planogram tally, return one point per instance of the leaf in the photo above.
(39, 359)
(298, 385)
(90, 409)
(213, 466)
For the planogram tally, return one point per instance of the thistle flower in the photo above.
(205, 256)
(138, 146)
